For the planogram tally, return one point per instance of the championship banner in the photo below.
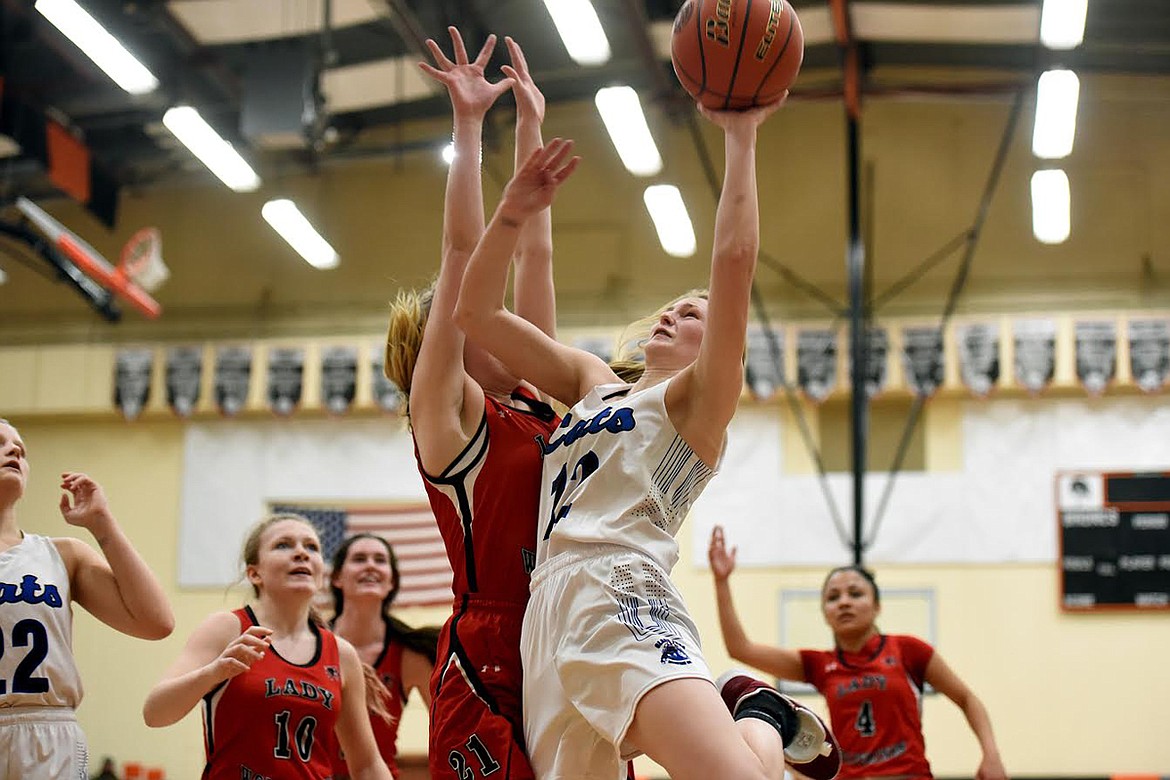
(338, 378)
(233, 372)
(877, 348)
(1096, 353)
(386, 394)
(922, 359)
(286, 370)
(1035, 342)
(1149, 353)
(977, 345)
(816, 363)
(765, 362)
(184, 372)
(132, 369)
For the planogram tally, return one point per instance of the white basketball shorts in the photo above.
(601, 630)
(42, 743)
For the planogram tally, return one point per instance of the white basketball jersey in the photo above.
(616, 472)
(36, 621)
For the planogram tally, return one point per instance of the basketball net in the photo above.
(142, 259)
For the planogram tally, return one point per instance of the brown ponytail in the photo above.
(377, 694)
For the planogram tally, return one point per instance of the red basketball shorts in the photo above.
(476, 723)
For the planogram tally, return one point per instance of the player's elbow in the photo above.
(739, 649)
(153, 715)
(160, 628)
(968, 702)
(738, 254)
(154, 627)
(467, 316)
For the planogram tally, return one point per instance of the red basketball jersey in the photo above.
(389, 669)
(875, 704)
(486, 501)
(276, 719)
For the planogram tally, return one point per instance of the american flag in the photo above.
(410, 529)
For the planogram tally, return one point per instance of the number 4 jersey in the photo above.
(36, 628)
(276, 719)
(875, 704)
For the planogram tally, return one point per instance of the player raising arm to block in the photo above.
(475, 426)
(879, 725)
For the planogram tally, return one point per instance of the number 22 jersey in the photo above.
(276, 719)
(36, 620)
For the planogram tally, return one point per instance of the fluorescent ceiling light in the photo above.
(1062, 23)
(214, 152)
(449, 153)
(580, 29)
(287, 220)
(101, 47)
(1050, 206)
(666, 207)
(621, 111)
(1057, 94)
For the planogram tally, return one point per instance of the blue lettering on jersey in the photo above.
(30, 592)
(301, 689)
(606, 420)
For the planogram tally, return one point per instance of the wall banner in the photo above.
(922, 359)
(765, 362)
(386, 394)
(1096, 352)
(338, 378)
(1035, 342)
(877, 349)
(816, 363)
(286, 371)
(977, 344)
(1149, 353)
(132, 370)
(184, 372)
(233, 373)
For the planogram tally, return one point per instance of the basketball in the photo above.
(736, 54)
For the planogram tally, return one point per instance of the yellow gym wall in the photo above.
(1073, 695)
(1053, 683)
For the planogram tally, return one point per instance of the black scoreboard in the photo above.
(1114, 540)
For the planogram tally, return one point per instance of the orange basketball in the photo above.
(736, 54)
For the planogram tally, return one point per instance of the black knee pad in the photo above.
(769, 706)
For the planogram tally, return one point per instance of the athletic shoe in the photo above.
(808, 743)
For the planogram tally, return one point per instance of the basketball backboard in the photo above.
(89, 259)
